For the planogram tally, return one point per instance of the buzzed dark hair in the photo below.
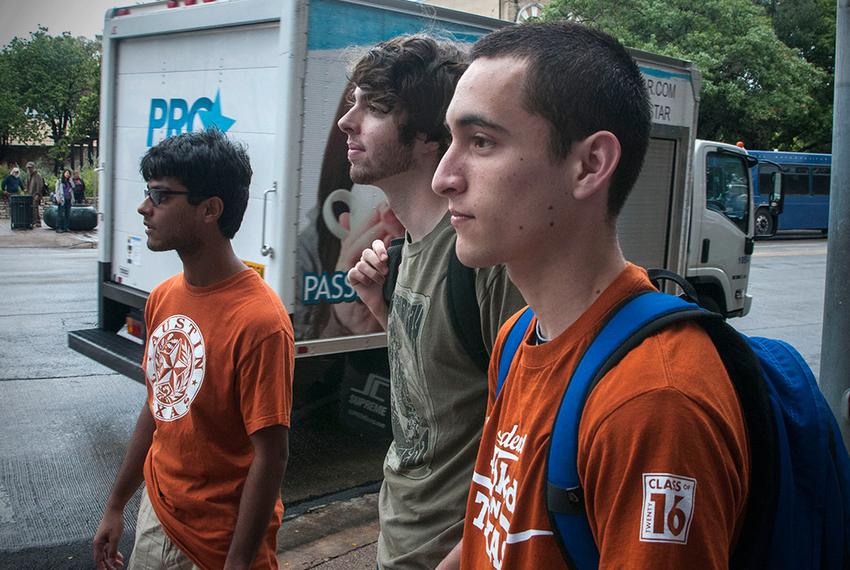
(417, 74)
(581, 81)
(207, 164)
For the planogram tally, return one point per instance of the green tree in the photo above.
(56, 73)
(14, 123)
(808, 26)
(754, 87)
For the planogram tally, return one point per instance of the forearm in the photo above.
(381, 312)
(130, 475)
(262, 487)
(452, 559)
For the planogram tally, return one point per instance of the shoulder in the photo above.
(164, 288)
(680, 363)
(262, 307)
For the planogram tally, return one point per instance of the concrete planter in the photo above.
(83, 218)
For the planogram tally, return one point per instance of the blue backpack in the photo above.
(798, 511)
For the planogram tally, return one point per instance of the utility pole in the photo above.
(835, 344)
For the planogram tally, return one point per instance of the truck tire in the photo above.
(765, 225)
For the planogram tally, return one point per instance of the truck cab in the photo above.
(720, 244)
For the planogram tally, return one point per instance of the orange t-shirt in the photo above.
(218, 364)
(663, 456)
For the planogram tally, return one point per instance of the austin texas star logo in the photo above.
(175, 366)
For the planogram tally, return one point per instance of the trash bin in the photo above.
(20, 211)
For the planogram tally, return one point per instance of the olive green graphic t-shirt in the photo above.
(439, 397)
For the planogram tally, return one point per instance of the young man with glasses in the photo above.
(211, 441)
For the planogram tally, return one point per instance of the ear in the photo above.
(424, 146)
(212, 209)
(596, 158)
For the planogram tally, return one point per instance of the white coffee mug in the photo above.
(361, 201)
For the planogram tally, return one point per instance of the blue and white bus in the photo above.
(801, 201)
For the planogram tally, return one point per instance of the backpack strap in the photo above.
(511, 345)
(394, 255)
(637, 318)
(464, 312)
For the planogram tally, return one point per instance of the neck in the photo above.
(416, 206)
(562, 283)
(211, 263)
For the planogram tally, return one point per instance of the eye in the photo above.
(480, 141)
(377, 109)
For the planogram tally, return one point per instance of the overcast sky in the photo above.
(80, 17)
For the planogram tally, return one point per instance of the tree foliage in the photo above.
(755, 88)
(808, 26)
(55, 89)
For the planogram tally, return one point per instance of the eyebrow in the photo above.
(481, 121)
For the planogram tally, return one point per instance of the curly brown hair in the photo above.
(416, 74)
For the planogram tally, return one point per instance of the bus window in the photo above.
(820, 181)
(728, 189)
(795, 181)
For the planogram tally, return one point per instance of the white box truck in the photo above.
(272, 75)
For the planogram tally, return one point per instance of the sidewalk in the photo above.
(339, 536)
(45, 237)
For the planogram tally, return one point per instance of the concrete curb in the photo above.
(45, 237)
(338, 535)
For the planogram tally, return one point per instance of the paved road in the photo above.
(787, 284)
(64, 420)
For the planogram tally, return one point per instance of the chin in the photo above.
(156, 246)
(472, 256)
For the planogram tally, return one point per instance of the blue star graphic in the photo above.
(214, 118)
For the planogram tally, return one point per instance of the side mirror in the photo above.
(777, 198)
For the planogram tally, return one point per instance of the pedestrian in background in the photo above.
(35, 185)
(12, 183)
(79, 188)
(63, 195)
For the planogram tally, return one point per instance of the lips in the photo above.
(354, 150)
(459, 217)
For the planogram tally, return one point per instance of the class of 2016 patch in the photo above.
(668, 507)
(176, 362)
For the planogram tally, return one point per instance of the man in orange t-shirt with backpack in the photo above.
(550, 124)
(211, 441)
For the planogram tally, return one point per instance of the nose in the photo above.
(347, 123)
(448, 179)
(145, 208)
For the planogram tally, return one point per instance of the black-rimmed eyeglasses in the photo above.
(155, 194)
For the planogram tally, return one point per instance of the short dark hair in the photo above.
(581, 81)
(208, 165)
(417, 74)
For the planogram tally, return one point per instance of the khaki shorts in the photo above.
(153, 550)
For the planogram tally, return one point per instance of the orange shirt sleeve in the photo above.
(664, 468)
(265, 383)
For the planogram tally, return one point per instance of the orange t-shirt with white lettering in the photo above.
(218, 365)
(663, 456)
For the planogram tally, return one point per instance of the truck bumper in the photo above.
(748, 301)
(115, 352)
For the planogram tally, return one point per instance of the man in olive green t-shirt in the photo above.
(396, 137)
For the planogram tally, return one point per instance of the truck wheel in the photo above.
(765, 225)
